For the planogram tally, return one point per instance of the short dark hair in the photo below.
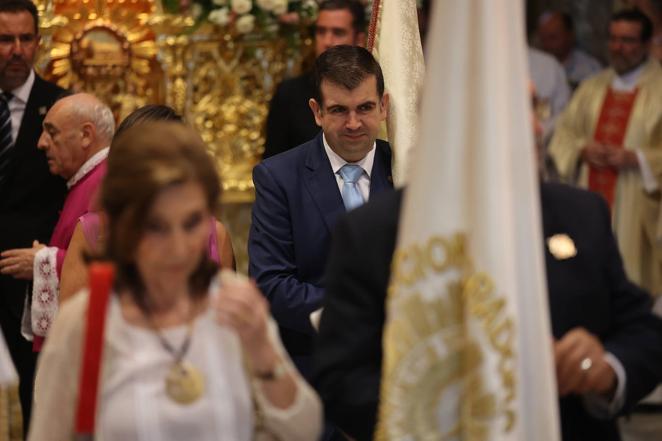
(635, 15)
(353, 6)
(150, 112)
(568, 23)
(346, 66)
(21, 6)
(566, 19)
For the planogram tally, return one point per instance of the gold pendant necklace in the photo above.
(184, 383)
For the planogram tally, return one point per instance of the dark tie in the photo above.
(6, 141)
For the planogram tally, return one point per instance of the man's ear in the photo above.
(88, 134)
(317, 111)
(384, 103)
(360, 39)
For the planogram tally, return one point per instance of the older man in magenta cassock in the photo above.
(77, 132)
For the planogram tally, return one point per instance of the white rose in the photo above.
(219, 2)
(196, 10)
(241, 6)
(245, 24)
(311, 4)
(220, 16)
(266, 5)
(280, 7)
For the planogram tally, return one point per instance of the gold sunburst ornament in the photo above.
(104, 47)
(101, 50)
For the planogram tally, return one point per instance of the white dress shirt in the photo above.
(366, 164)
(18, 102)
(88, 165)
(551, 85)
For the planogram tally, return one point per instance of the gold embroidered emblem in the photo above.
(561, 246)
(430, 352)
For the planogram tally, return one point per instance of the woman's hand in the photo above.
(241, 306)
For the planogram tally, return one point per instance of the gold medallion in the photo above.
(185, 384)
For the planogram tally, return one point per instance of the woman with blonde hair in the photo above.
(185, 357)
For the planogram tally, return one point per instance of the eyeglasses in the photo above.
(623, 40)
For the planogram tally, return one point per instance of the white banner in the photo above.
(397, 47)
(468, 343)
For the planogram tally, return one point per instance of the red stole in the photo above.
(611, 128)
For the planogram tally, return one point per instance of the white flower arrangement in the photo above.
(245, 17)
(245, 23)
(241, 7)
(220, 16)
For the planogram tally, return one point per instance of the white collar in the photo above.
(629, 80)
(87, 167)
(337, 162)
(22, 92)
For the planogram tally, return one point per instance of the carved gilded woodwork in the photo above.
(103, 47)
(130, 53)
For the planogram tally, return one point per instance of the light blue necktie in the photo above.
(351, 196)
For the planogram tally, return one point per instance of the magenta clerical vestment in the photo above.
(48, 262)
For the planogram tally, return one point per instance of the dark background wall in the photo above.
(591, 20)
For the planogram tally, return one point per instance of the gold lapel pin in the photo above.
(561, 246)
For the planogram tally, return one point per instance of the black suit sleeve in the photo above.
(347, 359)
(290, 122)
(635, 334)
(277, 139)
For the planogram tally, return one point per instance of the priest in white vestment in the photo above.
(609, 139)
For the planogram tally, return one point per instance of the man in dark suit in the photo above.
(301, 193)
(290, 122)
(597, 315)
(30, 197)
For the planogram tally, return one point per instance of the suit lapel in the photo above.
(322, 184)
(31, 122)
(380, 177)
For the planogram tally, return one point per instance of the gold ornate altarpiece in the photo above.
(130, 53)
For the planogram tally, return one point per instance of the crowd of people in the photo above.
(192, 350)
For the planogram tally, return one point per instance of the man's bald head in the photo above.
(75, 129)
(85, 107)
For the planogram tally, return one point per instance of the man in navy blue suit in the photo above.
(300, 193)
